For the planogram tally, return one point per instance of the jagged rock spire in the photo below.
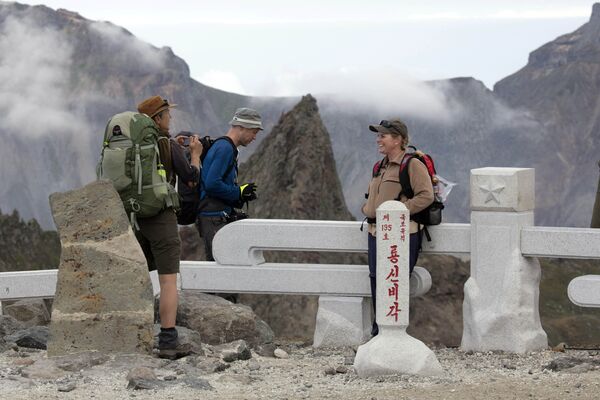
(295, 169)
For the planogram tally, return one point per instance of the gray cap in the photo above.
(246, 117)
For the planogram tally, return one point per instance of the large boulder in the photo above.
(104, 297)
(219, 321)
(31, 312)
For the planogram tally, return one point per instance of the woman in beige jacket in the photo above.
(392, 139)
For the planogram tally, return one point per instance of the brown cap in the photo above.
(153, 105)
(393, 126)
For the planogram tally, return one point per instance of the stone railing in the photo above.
(500, 308)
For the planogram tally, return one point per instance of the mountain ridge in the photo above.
(97, 69)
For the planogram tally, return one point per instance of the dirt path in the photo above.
(310, 374)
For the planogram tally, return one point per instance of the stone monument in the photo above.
(393, 351)
(104, 297)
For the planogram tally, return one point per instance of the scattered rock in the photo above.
(79, 361)
(507, 365)
(580, 369)
(43, 369)
(266, 350)
(564, 363)
(253, 366)
(349, 352)
(279, 353)
(14, 351)
(197, 383)
(234, 351)
(67, 387)
(209, 366)
(23, 361)
(341, 369)
(330, 371)
(24, 350)
(561, 347)
(265, 332)
(170, 378)
(141, 373)
(349, 355)
(30, 312)
(126, 362)
(35, 337)
(243, 379)
(143, 384)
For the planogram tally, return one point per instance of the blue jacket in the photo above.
(215, 184)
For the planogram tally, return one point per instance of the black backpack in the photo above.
(190, 197)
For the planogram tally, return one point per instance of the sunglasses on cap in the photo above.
(389, 125)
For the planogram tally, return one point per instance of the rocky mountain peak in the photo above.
(307, 104)
(297, 178)
(72, 15)
(595, 18)
(582, 45)
(560, 86)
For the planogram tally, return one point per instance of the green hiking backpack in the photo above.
(130, 159)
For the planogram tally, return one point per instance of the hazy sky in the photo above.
(295, 47)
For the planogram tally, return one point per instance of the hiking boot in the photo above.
(173, 353)
(169, 346)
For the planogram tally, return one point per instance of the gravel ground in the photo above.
(310, 374)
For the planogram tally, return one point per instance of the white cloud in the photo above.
(384, 89)
(34, 73)
(35, 68)
(504, 14)
(224, 80)
(145, 54)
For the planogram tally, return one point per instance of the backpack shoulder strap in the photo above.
(377, 167)
(234, 158)
(404, 178)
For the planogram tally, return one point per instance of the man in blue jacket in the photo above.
(220, 193)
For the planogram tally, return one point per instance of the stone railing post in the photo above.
(501, 303)
(393, 351)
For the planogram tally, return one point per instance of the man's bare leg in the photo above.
(167, 308)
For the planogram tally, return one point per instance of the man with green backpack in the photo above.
(143, 162)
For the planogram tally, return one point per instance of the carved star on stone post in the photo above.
(492, 190)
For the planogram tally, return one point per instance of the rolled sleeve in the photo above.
(181, 165)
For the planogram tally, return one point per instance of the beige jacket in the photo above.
(386, 186)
